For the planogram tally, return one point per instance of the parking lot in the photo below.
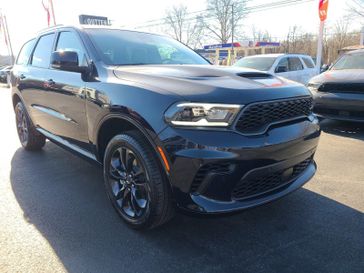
(55, 217)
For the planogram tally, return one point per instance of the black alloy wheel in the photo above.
(136, 183)
(129, 183)
(21, 124)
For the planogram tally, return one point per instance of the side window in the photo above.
(42, 53)
(295, 64)
(282, 66)
(25, 52)
(308, 62)
(68, 41)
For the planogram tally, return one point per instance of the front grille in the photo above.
(260, 184)
(216, 168)
(257, 117)
(342, 88)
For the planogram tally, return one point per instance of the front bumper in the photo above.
(209, 168)
(339, 106)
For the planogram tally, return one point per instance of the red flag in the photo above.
(323, 6)
(46, 8)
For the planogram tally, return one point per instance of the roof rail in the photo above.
(50, 28)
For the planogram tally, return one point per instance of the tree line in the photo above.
(223, 20)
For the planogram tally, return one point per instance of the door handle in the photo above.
(22, 76)
(50, 82)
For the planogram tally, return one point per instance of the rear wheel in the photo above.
(29, 137)
(135, 182)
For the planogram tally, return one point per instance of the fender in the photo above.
(149, 134)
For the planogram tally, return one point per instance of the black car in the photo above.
(339, 92)
(170, 129)
(5, 74)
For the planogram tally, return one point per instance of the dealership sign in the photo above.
(222, 46)
(93, 20)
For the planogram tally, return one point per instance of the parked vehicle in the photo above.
(339, 92)
(295, 67)
(5, 74)
(169, 129)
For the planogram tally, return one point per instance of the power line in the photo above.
(247, 10)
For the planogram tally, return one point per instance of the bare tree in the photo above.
(183, 27)
(223, 18)
(260, 35)
(357, 7)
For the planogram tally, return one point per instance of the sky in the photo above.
(26, 17)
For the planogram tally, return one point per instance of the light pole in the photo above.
(323, 6)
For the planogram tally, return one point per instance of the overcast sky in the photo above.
(26, 17)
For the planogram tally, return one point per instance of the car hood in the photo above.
(340, 76)
(210, 83)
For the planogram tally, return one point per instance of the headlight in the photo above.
(313, 87)
(202, 114)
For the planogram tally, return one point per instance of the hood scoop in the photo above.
(255, 75)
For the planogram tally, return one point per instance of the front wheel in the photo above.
(135, 182)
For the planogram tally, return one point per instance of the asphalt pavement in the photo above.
(55, 217)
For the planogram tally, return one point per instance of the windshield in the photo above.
(119, 47)
(259, 63)
(350, 61)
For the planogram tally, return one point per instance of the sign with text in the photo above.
(221, 46)
(93, 20)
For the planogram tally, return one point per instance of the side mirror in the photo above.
(281, 69)
(66, 61)
(324, 67)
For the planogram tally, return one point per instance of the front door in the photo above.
(65, 90)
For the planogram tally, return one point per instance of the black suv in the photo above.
(339, 92)
(170, 129)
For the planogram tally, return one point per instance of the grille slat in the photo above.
(342, 88)
(256, 118)
(250, 187)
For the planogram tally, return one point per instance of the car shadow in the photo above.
(63, 197)
(343, 128)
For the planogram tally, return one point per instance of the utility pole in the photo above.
(7, 37)
(323, 7)
(52, 9)
(362, 36)
(232, 34)
(319, 46)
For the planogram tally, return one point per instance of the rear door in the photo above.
(29, 77)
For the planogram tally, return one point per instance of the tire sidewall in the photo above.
(131, 143)
(20, 106)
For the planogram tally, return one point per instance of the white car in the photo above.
(295, 67)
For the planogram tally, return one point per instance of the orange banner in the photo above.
(323, 6)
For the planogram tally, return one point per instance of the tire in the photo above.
(8, 80)
(135, 182)
(29, 137)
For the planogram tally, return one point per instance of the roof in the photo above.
(355, 51)
(276, 55)
(79, 26)
(350, 48)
